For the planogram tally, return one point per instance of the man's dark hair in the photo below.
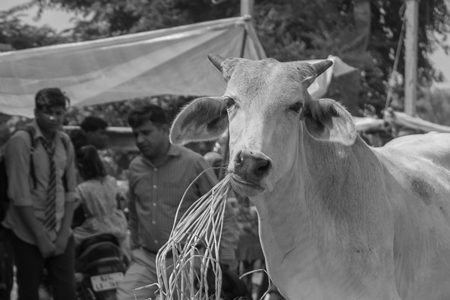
(89, 163)
(79, 139)
(92, 123)
(148, 112)
(50, 97)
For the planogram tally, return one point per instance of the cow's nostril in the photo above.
(239, 158)
(261, 167)
(250, 167)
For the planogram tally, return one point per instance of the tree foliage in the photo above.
(364, 33)
(14, 35)
(22, 36)
(315, 29)
(105, 18)
(289, 30)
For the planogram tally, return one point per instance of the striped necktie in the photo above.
(50, 205)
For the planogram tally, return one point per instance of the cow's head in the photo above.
(266, 106)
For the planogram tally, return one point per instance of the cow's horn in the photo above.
(216, 60)
(322, 66)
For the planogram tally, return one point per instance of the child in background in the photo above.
(98, 197)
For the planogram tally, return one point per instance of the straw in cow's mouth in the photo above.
(201, 225)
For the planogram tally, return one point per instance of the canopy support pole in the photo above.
(412, 19)
(247, 7)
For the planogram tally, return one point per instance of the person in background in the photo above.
(79, 139)
(98, 197)
(92, 132)
(39, 216)
(214, 159)
(158, 178)
(95, 130)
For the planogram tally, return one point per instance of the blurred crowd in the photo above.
(60, 192)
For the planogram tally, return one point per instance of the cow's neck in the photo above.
(301, 214)
(318, 176)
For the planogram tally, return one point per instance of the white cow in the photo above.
(338, 219)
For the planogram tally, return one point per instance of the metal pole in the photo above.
(247, 7)
(412, 20)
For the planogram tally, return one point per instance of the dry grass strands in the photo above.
(194, 244)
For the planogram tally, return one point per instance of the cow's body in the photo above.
(377, 215)
(338, 219)
(418, 179)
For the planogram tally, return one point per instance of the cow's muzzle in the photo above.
(251, 166)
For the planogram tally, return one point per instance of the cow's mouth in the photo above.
(244, 187)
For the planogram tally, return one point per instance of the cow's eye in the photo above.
(229, 102)
(296, 107)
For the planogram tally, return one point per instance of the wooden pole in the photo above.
(412, 20)
(247, 7)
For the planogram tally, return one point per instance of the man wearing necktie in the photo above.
(41, 188)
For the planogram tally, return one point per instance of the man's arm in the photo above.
(70, 171)
(133, 222)
(17, 159)
(65, 230)
(207, 180)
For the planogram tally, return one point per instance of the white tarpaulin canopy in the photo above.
(169, 61)
(400, 119)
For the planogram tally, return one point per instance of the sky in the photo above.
(57, 19)
(441, 62)
(61, 20)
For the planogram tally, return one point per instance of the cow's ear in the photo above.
(203, 119)
(325, 119)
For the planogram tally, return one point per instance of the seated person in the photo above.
(97, 196)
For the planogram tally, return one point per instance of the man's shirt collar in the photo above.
(38, 133)
(174, 151)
